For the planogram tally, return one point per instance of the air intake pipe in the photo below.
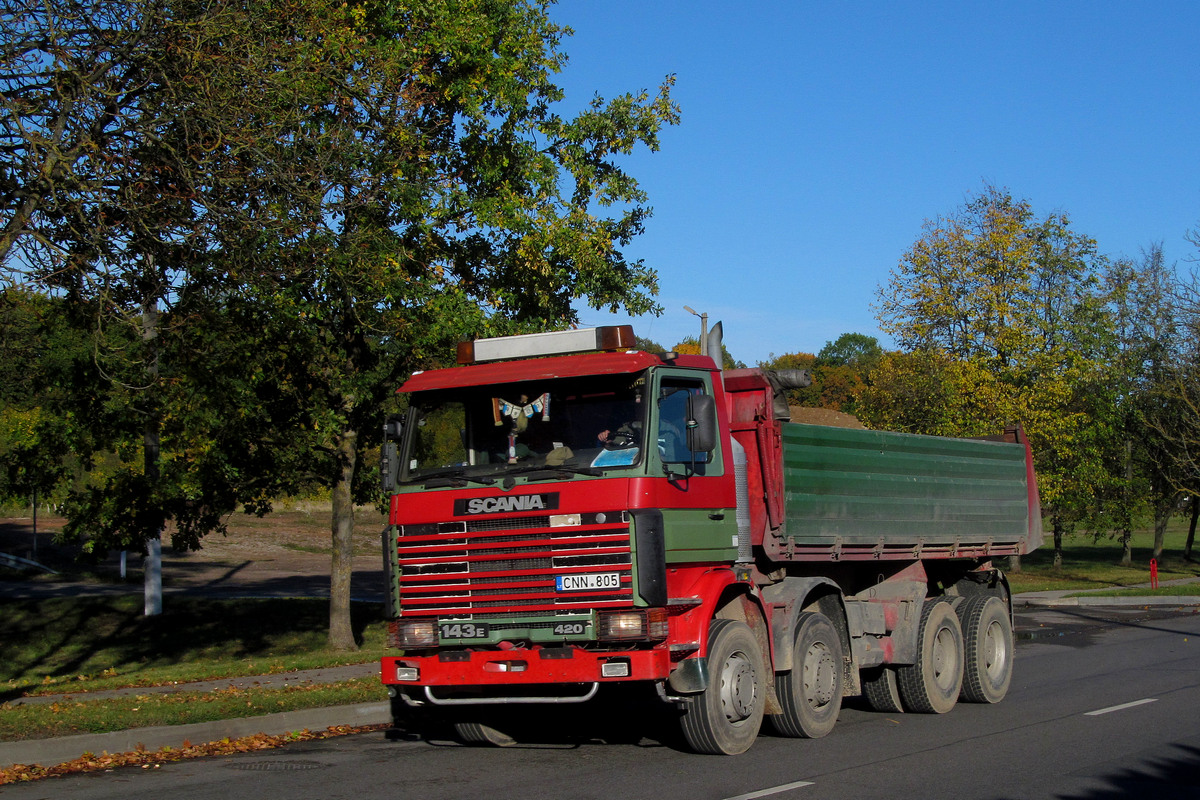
(781, 380)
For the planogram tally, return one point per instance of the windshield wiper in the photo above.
(456, 480)
(561, 473)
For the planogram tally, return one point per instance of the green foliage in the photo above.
(46, 358)
(841, 372)
(1005, 321)
(649, 346)
(272, 213)
(305, 203)
(852, 350)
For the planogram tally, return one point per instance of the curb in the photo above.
(1120, 602)
(50, 752)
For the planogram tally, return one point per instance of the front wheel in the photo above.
(724, 719)
(810, 695)
(931, 685)
(988, 644)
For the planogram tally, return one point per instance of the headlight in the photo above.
(408, 634)
(641, 624)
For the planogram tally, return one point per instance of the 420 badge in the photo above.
(586, 582)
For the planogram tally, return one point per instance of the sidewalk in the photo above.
(47, 752)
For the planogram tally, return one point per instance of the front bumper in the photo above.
(547, 665)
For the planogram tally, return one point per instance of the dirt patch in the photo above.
(824, 416)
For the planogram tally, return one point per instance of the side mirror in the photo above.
(389, 464)
(701, 423)
(393, 427)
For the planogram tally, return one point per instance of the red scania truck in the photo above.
(567, 512)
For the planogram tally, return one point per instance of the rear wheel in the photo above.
(988, 648)
(931, 685)
(882, 690)
(724, 719)
(810, 695)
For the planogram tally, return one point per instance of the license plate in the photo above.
(464, 630)
(590, 581)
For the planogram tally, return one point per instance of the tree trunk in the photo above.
(35, 524)
(1126, 529)
(341, 632)
(1014, 564)
(1058, 545)
(1161, 518)
(151, 445)
(1191, 537)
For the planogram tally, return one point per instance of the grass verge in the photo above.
(1091, 562)
(81, 645)
(95, 643)
(72, 717)
(1182, 590)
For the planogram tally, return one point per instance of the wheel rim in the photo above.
(738, 687)
(995, 651)
(945, 659)
(820, 675)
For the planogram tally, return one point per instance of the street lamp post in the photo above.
(703, 329)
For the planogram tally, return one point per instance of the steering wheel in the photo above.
(619, 440)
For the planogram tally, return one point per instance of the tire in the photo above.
(931, 685)
(725, 718)
(988, 649)
(882, 691)
(810, 694)
(476, 733)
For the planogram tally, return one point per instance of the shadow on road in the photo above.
(1173, 776)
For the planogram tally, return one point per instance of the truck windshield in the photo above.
(581, 425)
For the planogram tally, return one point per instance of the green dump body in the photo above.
(859, 494)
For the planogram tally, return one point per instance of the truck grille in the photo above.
(486, 567)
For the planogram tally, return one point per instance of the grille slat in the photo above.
(448, 574)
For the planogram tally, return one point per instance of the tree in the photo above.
(1006, 312)
(1172, 405)
(113, 130)
(840, 372)
(362, 183)
(852, 350)
(649, 345)
(1143, 296)
(45, 371)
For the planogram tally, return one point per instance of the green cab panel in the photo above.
(695, 535)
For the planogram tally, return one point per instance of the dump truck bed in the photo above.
(860, 494)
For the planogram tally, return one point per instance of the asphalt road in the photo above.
(1105, 704)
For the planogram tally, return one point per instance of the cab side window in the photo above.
(673, 422)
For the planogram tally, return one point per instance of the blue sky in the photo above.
(816, 138)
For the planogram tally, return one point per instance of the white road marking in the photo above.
(773, 790)
(1121, 707)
